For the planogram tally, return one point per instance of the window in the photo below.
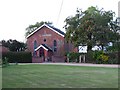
(44, 40)
(35, 44)
(55, 49)
(55, 45)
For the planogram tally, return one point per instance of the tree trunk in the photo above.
(89, 48)
(89, 44)
(102, 47)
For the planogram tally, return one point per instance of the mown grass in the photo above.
(58, 76)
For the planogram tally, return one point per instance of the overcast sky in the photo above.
(16, 15)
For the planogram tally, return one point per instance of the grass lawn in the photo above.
(58, 76)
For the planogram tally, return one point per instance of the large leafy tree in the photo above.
(31, 28)
(91, 27)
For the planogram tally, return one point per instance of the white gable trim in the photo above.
(40, 47)
(47, 27)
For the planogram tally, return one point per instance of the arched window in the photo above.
(35, 44)
(55, 45)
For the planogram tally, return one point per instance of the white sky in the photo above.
(17, 15)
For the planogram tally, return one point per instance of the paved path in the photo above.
(77, 64)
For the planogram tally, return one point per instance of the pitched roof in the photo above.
(58, 31)
(44, 46)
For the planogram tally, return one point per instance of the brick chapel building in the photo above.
(48, 44)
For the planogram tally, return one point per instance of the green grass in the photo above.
(58, 76)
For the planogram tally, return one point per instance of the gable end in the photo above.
(50, 27)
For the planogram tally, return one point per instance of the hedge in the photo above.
(114, 57)
(17, 57)
(73, 56)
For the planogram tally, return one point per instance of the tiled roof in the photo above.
(58, 30)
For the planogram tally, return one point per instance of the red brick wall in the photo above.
(39, 36)
(37, 60)
(58, 59)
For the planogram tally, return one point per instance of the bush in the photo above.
(5, 62)
(100, 57)
(105, 58)
(113, 57)
(73, 57)
(17, 57)
(89, 57)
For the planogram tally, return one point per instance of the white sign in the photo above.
(46, 35)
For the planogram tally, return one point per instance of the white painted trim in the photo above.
(42, 47)
(47, 27)
(35, 31)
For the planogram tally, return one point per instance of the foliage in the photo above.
(14, 45)
(116, 29)
(100, 57)
(113, 57)
(104, 57)
(97, 54)
(17, 57)
(5, 62)
(73, 56)
(115, 47)
(89, 57)
(91, 27)
(32, 28)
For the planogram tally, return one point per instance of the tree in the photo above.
(14, 45)
(91, 27)
(31, 28)
(116, 43)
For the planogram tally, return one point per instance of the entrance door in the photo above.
(41, 54)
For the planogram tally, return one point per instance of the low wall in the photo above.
(37, 60)
(54, 59)
(58, 59)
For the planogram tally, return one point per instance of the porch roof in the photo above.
(44, 46)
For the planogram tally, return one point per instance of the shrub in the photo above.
(100, 57)
(104, 58)
(5, 62)
(73, 57)
(89, 57)
(113, 58)
(17, 57)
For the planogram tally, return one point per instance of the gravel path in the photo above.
(77, 64)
